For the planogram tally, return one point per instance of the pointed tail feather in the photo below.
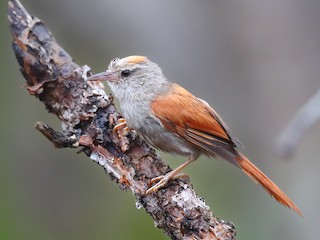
(253, 172)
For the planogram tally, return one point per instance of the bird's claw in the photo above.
(121, 126)
(162, 181)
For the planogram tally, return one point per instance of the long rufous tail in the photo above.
(253, 172)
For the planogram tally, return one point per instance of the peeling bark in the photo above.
(88, 117)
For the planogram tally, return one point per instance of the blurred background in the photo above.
(256, 62)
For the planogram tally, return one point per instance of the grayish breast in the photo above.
(135, 108)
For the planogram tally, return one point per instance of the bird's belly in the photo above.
(155, 134)
(164, 140)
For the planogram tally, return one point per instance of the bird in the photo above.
(173, 120)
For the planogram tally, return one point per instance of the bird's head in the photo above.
(132, 72)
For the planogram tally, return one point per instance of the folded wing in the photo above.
(194, 120)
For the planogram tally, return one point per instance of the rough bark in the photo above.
(88, 117)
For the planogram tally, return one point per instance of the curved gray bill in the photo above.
(104, 76)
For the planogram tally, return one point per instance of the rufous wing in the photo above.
(193, 119)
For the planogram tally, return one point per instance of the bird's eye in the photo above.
(125, 73)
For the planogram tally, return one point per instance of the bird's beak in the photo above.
(108, 75)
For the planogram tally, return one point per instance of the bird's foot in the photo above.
(163, 180)
(121, 126)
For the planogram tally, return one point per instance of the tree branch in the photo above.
(302, 122)
(88, 117)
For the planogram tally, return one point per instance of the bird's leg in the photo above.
(174, 174)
